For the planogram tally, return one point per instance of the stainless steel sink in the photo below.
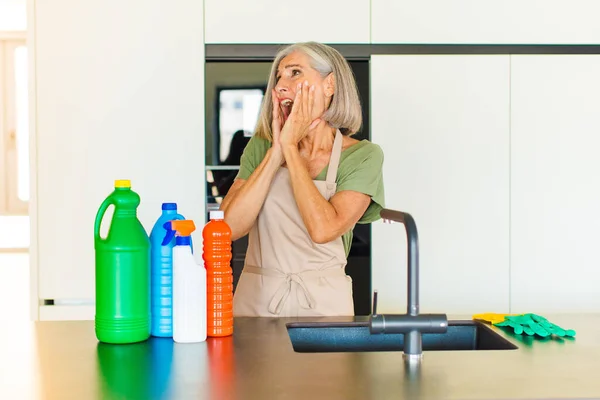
(319, 337)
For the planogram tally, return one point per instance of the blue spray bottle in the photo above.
(161, 265)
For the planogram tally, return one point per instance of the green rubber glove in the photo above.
(533, 324)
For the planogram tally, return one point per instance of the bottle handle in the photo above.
(100, 215)
(171, 233)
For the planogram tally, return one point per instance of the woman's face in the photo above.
(294, 70)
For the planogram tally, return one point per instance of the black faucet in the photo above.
(412, 324)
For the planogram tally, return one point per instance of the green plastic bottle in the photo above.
(122, 271)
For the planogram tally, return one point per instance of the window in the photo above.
(13, 16)
(14, 142)
(14, 128)
(238, 110)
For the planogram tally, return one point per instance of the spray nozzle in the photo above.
(183, 227)
(180, 228)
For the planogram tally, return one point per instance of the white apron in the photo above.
(285, 272)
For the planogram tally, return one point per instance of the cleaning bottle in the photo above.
(122, 270)
(219, 275)
(189, 287)
(161, 272)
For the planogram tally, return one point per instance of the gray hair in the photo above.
(344, 112)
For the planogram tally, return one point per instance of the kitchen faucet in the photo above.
(412, 324)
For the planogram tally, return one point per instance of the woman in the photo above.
(303, 184)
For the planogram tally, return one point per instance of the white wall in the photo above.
(13, 15)
(443, 123)
(275, 21)
(555, 196)
(119, 95)
(14, 233)
(15, 272)
(404, 21)
(485, 21)
(455, 129)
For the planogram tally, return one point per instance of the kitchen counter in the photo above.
(63, 360)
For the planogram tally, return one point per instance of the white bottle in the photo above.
(189, 288)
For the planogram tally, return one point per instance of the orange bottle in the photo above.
(219, 275)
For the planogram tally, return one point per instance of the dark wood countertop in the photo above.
(63, 360)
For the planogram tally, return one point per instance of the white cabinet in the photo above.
(119, 95)
(555, 184)
(274, 21)
(443, 124)
(485, 21)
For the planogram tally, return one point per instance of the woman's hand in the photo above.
(303, 118)
(277, 122)
(276, 125)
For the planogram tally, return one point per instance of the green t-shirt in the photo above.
(360, 170)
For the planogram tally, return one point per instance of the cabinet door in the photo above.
(274, 21)
(485, 22)
(119, 95)
(443, 123)
(555, 185)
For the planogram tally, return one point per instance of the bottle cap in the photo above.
(169, 206)
(217, 214)
(122, 183)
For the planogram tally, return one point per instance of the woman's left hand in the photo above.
(303, 118)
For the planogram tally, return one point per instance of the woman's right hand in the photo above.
(276, 126)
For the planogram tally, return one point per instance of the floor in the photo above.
(14, 286)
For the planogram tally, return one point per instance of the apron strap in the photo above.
(334, 160)
(284, 289)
